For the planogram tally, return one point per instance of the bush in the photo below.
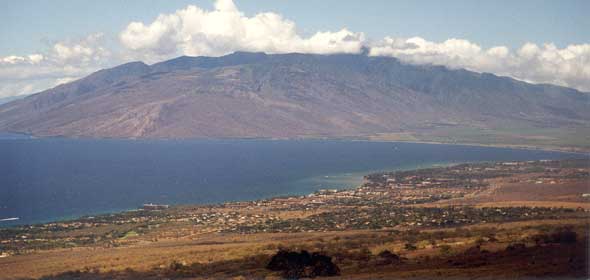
(386, 257)
(516, 247)
(564, 236)
(480, 241)
(176, 265)
(541, 239)
(475, 250)
(410, 247)
(445, 250)
(365, 254)
(561, 236)
(295, 265)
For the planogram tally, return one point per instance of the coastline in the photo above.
(352, 138)
(340, 187)
(506, 146)
(74, 217)
(361, 179)
(309, 181)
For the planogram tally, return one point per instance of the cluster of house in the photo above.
(380, 202)
(391, 217)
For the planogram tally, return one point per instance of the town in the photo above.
(426, 198)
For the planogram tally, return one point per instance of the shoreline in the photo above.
(435, 165)
(564, 149)
(506, 146)
(70, 218)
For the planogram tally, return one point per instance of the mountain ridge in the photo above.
(289, 95)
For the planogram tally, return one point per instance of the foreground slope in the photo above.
(290, 95)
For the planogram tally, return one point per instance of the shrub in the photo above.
(564, 236)
(445, 250)
(516, 247)
(479, 241)
(541, 239)
(410, 247)
(295, 265)
(365, 254)
(386, 257)
(176, 265)
(560, 236)
(475, 250)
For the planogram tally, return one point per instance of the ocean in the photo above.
(51, 179)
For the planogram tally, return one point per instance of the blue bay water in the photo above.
(50, 179)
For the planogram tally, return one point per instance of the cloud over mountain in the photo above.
(195, 31)
(569, 66)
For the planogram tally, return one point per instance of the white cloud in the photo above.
(194, 31)
(569, 66)
(64, 80)
(15, 60)
(86, 51)
(35, 58)
(12, 59)
(63, 62)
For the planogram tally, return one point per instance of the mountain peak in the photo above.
(116, 73)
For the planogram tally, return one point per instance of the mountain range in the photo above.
(289, 96)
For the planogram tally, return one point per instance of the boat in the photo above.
(151, 206)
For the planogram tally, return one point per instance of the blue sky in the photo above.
(46, 43)
(32, 25)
